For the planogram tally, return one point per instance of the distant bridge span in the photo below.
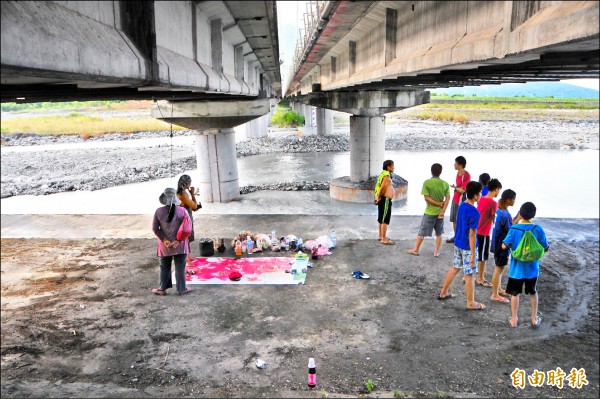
(369, 58)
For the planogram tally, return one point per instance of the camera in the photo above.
(199, 205)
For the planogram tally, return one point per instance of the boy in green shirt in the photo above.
(437, 197)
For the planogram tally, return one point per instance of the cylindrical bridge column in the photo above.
(217, 165)
(367, 146)
(324, 121)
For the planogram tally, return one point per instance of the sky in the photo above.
(290, 16)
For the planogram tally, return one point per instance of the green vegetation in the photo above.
(13, 107)
(399, 394)
(369, 385)
(285, 117)
(75, 123)
(517, 102)
(444, 116)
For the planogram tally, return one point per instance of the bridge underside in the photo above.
(548, 67)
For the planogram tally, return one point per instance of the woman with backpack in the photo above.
(165, 225)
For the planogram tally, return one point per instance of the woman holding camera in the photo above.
(187, 196)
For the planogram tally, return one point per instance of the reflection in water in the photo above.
(562, 184)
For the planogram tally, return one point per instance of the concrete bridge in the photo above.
(214, 65)
(369, 58)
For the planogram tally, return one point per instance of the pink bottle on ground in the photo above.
(312, 373)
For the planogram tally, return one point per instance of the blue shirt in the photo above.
(518, 268)
(502, 224)
(484, 191)
(467, 218)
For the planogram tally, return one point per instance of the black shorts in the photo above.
(501, 260)
(515, 286)
(384, 211)
(483, 248)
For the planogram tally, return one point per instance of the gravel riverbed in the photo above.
(46, 172)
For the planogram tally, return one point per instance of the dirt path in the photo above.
(78, 320)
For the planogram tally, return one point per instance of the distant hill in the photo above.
(532, 89)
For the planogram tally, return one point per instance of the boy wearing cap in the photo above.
(523, 272)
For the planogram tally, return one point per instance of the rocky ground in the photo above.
(78, 320)
(47, 172)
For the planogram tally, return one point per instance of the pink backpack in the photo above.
(185, 229)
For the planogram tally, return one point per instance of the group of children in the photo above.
(481, 225)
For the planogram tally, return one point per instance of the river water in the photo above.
(562, 184)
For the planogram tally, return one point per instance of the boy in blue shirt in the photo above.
(521, 272)
(465, 247)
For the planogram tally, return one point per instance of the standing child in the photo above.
(522, 272)
(502, 224)
(462, 178)
(484, 179)
(465, 247)
(487, 209)
(437, 196)
(384, 192)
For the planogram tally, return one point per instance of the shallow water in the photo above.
(562, 184)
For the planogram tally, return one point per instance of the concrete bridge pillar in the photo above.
(367, 136)
(217, 165)
(324, 121)
(216, 155)
(258, 127)
(367, 146)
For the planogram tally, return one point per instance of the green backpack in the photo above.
(529, 249)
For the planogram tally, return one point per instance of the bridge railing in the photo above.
(312, 16)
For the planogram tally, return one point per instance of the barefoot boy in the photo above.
(462, 178)
(502, 224)
(465, 247)
(524, 273)
(487, 209)
(437, 196)
(384, 192)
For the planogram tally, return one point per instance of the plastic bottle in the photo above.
(312, 373)
(333, 238)
(238, 248)
(249, 245)
(273, 235)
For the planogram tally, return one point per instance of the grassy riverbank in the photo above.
(99, 117)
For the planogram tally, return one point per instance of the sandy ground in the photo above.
(78, 320)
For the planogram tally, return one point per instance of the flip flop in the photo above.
(437, 255)
(412, 253)
(538, 324)
(447, 296)
(388, 242)
(359, 274)
(156, 291)
(500, 299)
(485, 283)
(184, 292)
(480, 306)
